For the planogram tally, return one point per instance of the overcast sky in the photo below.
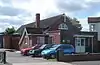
(18, 12)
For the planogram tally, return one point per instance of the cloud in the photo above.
(18, 12)
(3, 26)
(6, 2)
(11, 16)
(69, 6)
(7, 21)
(81, 8)
(84, 24)
(6, 25)
(94, 5)
(11, 21)
(21, 1)
(10, 11)
(16, 20)
(10, 2)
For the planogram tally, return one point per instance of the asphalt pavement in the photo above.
(86, 63)
(18, 59)
(14, 57)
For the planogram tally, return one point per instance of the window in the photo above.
(63, 26)
(42, 47)
(66, 47)
(92, 27)
(40, 40)
(77, 41)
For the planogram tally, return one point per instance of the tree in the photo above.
(10, 30)
(76, 23)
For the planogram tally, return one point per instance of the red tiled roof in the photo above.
(93, 19)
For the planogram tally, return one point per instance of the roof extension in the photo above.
(93, 19)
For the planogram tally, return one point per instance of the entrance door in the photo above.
(79, 45)
(50, 40)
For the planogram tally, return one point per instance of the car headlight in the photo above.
(42, 53)
(30, 51)
(47, 52)
(33, 51)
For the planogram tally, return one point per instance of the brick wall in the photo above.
(55, 36)
(77, 57)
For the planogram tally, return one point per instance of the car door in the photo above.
(67, 49)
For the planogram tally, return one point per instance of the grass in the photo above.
(52, 59)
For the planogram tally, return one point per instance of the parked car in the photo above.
(51, 52)
(37, 52)
(25, 51)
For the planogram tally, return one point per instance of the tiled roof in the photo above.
(31, 30)
(48, 23)
(45, 23)
(93, 19)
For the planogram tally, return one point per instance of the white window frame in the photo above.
(92, 27)
(63, 26)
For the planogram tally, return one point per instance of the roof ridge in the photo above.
(45, 19)
(52, 17)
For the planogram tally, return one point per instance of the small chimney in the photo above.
(38, 20)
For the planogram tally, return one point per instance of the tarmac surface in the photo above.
(15, 58)
(18, 59)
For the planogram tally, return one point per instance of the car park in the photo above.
(51, 52)
(25, 51)
(37, 52)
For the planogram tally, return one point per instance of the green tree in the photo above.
(76, 23)
(10, 30)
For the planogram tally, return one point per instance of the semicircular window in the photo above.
(63, 26)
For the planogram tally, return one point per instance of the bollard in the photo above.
(4, 57)
(59, 55)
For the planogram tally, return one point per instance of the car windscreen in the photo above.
(37, 46)
(48, 46)
(42, 46)
(54, 47)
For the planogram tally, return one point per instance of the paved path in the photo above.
(13, 57)
(18, 59)
(43, 63)
(87, 63)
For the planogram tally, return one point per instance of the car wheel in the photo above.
(23, 54)
(53, 56)
(72, 53)
(44, 57)
(33, 55)
(27, 53)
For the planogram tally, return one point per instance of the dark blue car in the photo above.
(51, 53)
(37, 52)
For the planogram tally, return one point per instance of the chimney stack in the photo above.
(38, 20)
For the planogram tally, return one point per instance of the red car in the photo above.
(26, 50)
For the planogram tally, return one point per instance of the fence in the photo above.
(2, 57)
(11, 42)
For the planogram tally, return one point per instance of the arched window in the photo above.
(63, 26)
